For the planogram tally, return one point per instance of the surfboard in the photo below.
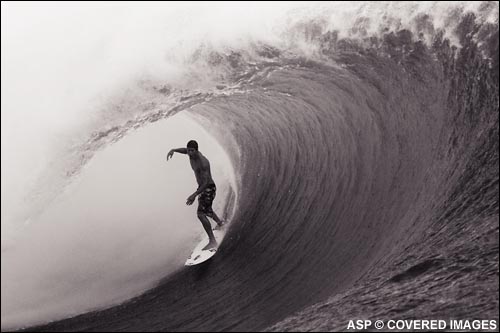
(198, 256)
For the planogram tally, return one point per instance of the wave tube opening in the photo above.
(116, 230)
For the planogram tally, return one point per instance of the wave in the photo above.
(363, 167)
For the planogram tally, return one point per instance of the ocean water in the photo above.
(351, 140)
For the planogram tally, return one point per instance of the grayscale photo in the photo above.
(250, 166)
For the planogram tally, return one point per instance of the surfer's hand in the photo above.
(170, 154)
(190, 200)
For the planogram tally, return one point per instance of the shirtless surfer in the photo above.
(206, 189)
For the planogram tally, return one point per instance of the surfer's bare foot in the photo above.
(210, 246)
(220, 225)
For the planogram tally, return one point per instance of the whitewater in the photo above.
(354, 147)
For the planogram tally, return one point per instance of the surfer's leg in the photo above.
(204, 209)
(208, 199)
(208, 228)
(216, 218)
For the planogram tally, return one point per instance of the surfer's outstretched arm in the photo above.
(178, 150)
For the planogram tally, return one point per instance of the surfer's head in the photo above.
(192, 148)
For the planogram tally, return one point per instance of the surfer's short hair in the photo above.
(192, 144)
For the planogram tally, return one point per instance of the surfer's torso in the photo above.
(201, 168)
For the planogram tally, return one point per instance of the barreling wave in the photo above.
(366, 171)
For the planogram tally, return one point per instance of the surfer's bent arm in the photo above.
(178, 150)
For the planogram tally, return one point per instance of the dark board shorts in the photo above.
(205, 200)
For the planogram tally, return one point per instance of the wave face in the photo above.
(371, 166)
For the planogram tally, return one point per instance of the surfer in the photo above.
(206, 189)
